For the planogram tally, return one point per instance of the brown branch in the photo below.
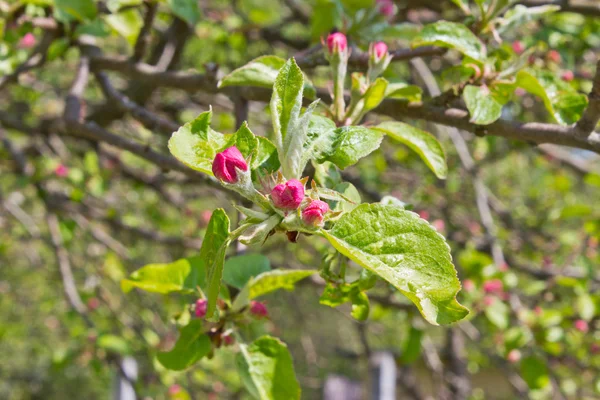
(531, 132)
(144, 36)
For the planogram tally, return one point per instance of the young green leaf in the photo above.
(401, 90)
(195, 144)
(374, 95)
(267, 370)
(127, 24)
(407, 252)
(483, 107)
(451, 35)
(350, 144)
(286, 101)
(240, 269)
(184, 274)
(80, 10)
(270, 281)
(262, 72)
(192, 345)
(213, 249)
(421, 142)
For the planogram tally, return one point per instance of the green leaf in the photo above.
(451, 35)
(401, 90)
(320, 136)
(535, 372)
(411, 350)
(187, 10)
(270, 281)
(115, 5)
(184, 274)
(423, 143)
(336, 295)
(350, 144)
(374, 94)
(407, 252)
(565, 105)
(81, 10)
(214, 245)
(240, 269)
(267, 159)
(519, 15)
(286, 101)
(195, 144)
(328, 17)
(262, 72)
(267, 370)
(113, 344)
(127, 24)
(192, 345)
(482, 105)
(585, 306)
(360, 306)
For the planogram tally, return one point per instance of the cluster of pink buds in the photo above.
(225, 164)
(493, 286)
(61, 171)
(581, 325)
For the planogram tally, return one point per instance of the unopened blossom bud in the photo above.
(513, 356)
(554, 56)
(228, 339)
(379, 50)
(313, 214)
(258, 309)
(468, 285)
(581, 325)
(568, 76)
(61, 171)
(200, 311)
(174, 389)
(337, 42)
(27, 41)
(288, 195)
(493, 286)
(226, 162)
(385, 7)
(518, 47)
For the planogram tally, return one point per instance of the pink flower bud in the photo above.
(538, 310)
(518, 47)
(489, 300)
(581, 325)
(554, 56)
(228, 339)
(205, 217)
(493, 286)
(468, 285)
(288, 195)
(337, 42)
(174, 389)
(513, 356)
(27, 41)
(385, 7)
(93, 303)
(226, 162)
(61, 171)
(439, 225)
(380, 49)
(424, 214)
(568, 76)
(258, 309)
(313, 213)
(200, 311)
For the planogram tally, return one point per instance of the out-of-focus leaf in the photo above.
(187, 10)
(127, 24)
(277, 279)
(81, 10)
(114, 344)
(240, 269)
(184, 274)
(267, 370)
(497, 314)
(535, 372)
(192, 345)
(401, 90)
